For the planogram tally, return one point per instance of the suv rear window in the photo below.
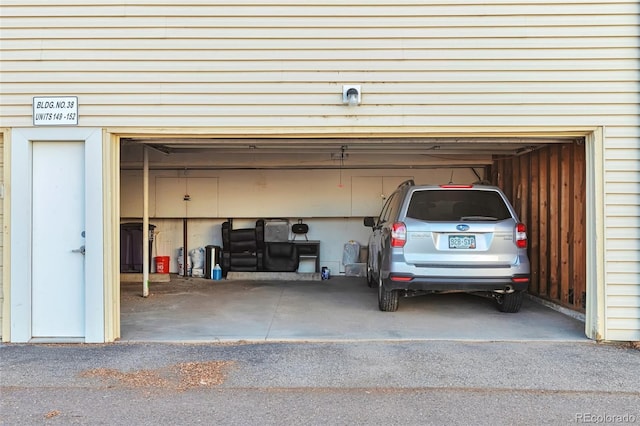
(457, 205)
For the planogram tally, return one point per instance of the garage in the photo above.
(187, 116)
(330, 184)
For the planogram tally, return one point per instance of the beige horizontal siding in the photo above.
(330, 8)
(111, 117)
(249, 56)
(345, 64)
(351, 25)
(618, 99)
(331, 79)
(615, 92)
(300, 59)
(281, 64)
(622, 227)
(148, 47)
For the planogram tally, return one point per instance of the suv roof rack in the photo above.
(408, 182)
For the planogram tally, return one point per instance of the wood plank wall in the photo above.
(547, 188)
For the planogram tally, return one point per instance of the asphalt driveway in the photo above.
(320, 383)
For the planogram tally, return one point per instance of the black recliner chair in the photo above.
(242, 249)
(280, 257)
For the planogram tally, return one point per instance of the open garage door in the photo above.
(543, 176)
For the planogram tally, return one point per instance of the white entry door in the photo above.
(58, 283)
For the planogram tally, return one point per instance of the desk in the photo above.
(309, 249)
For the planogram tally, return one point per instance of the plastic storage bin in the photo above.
(131, 246)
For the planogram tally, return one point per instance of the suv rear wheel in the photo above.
(510, 302)
(387, 300)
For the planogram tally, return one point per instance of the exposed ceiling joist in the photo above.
(376, 146)
(218, 153)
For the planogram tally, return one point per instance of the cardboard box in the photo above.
(276, 230)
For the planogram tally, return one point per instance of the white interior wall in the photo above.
(252, 194)
(332, 233)
(273, 193)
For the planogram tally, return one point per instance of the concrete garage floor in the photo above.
(338, 309)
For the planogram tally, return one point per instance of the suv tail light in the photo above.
(398, 234)
(521, 235)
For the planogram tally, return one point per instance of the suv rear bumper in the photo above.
(425, 283)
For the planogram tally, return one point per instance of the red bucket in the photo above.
(162, 264)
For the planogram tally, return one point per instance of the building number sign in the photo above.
(55, 111)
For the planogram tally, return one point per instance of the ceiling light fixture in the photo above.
(342, 156)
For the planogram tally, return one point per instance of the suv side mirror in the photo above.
(369, 221)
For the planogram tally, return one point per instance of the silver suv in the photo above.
(448, 238)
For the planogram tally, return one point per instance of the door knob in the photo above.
(80, 250)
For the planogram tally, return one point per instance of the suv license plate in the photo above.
(462, 241)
